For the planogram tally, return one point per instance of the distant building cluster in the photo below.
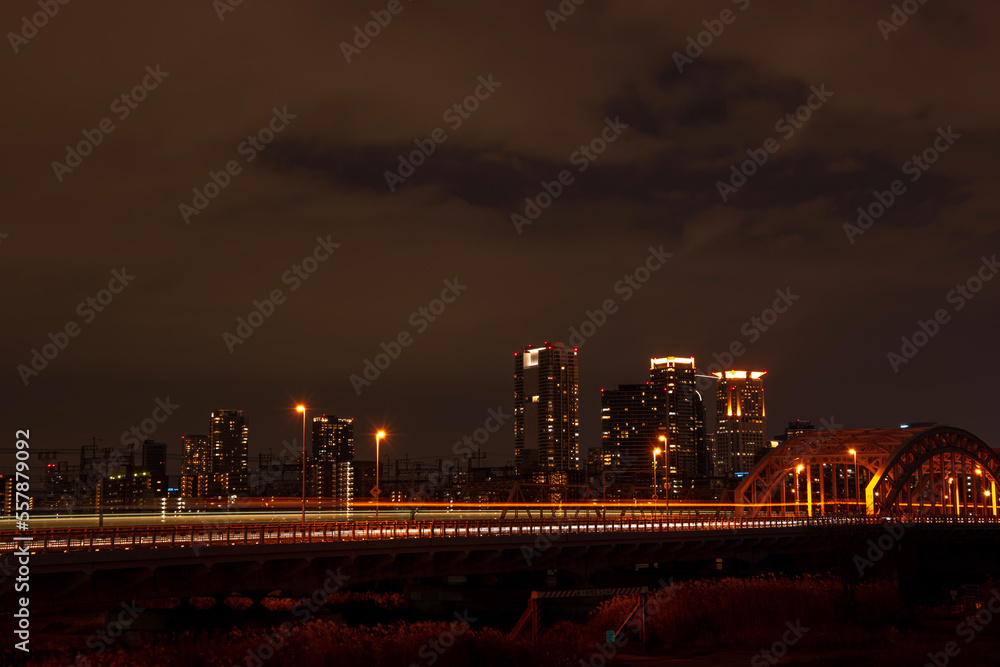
(661, 426)
(668, 437)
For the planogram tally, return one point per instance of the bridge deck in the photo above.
(62, 540)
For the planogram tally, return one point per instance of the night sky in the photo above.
(885, 95)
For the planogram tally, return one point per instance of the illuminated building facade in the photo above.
(196, 466)
(681, 416)
(546, 409)
(230, 452)
(631, 423)
(333, 454)
(742, 420)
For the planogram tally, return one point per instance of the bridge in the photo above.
(102, 567)
(922, 470)
(801, 505)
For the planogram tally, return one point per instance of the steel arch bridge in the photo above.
(926, 470)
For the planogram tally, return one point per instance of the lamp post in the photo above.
(976, 485)
(798, 471)
(857, 485)
(302, 409)
(666, 471)
(656, 452)
(377, 491)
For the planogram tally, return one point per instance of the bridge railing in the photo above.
(158, 537)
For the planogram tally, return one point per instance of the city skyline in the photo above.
(707, 456)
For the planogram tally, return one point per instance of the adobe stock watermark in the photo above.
(31, 26)
(899, 17)
(562, 12)
(466, 448)
(958, 297)
(582, 159)
(629, 284)
(122, 107)
(433, 649)
(101, 640)
(544, 541)
(915, 167)
(302, 612)
(257, 483)
(968, 629)
(752, 329)
(713, 30)
(879, 547)
(223, 7)
(810, 444)
(787, 126)
(87, 310)
(420, 320)
(295, 276)
(135, 436)
(454, 115)
(779, 649)
(363, 36)
(249, 149)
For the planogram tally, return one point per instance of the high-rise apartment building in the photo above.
(333, 455)
(196, 465)
(742, 420)
(546, 409)
(631, 423)
(230, 452)
(682, 415)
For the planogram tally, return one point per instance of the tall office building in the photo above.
(333, 454)
(682, 416)
(742, 420)
(631, 424)
(196, 466)
(546, 409)
(230, 454)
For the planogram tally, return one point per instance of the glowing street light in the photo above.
(377, 491)
(798, 471)
(656, 452)
(857, 485)
(951, 480)
(302, 409)
(666, 471)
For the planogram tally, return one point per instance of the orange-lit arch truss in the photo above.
(928, 470)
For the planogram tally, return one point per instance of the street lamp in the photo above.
(656, 452)
(798, 471)
(302, 409)
(976, 485)
(857, 486)
(666, 472)
(377, 490)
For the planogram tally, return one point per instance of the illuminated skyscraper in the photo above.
(682, 415)
(742, 420)
(546, 409)
(631, 423)
(333, 454)
(230, 454)
(196, 467)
